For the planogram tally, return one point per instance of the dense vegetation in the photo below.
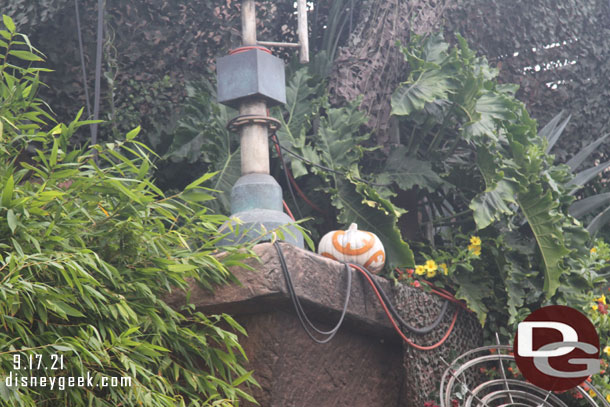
(494, 205)
(89, 249)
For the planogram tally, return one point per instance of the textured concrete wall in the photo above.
(365, 365)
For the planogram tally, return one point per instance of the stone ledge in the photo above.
(320, 284)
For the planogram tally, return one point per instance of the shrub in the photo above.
(89, 247)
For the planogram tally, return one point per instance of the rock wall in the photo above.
(365, 365)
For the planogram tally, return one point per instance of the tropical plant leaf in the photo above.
(587, 175)
(585, 152)
(408, 172)
(302, 102)
(201, 135)
(589, 204)
(600, 220)
(540, 210)
(490, 204)
(554, 129)
(412, 95)
(489, 107)
(336, 150)
(474, 293)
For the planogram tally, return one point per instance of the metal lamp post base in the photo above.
(256, 211)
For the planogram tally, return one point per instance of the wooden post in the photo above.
(254, 137)
(303, 31)
(248, 22)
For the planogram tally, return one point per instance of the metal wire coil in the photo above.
(457, 380)
(235, 123)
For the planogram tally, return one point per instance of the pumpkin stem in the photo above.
(353, 226)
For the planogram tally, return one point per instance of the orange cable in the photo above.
(441, 292)
(287, 209)
(395, 325)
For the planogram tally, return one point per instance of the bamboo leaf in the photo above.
(9, 23)
(12, 220)
(25, 55)
(7, 192)
(133, 133)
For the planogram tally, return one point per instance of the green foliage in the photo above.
(336, 144)
(467, 154)
(557, 66)
(90, 250)
(201, 136)
(481, 141)
(587, 205)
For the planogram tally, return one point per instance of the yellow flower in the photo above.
(430, 273)
(592, 393)
(475, 241)
(476, 250)
(431, 266)
(601, 299)
(608, 398)
(445, 269)
(607, 350)
(594, 307)
(420, 270)
(593, 250)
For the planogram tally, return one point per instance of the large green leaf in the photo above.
(600, 220)
(490, 204)
(587, 175)
(339, 137)
(302, 103)
(489, 108)
(412, 95)
(474, 292)
(540, 210)
(408, 172)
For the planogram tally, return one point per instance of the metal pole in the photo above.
(254, 137)
(303, 31)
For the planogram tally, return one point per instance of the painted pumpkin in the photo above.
(354, 246)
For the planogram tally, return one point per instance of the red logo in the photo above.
(557, 348)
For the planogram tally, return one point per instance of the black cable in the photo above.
(98, 69)
(305, 322)
(82, 61)
(276, 140)
(396, 315)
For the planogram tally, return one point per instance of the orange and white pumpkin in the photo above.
(354, 246)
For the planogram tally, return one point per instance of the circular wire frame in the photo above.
(458, 382)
